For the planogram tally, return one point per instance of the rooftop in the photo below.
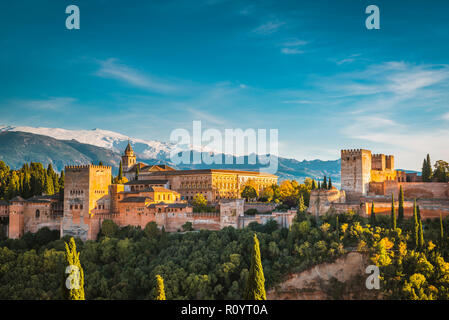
(202, 171)
(136, 199)
(146, 182)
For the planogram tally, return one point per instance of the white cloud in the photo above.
(446, 116)
(201, 115)
(111, 69)
(52, 104)
(291, 51)
(293, 46)
(294, 43)
(268, 27)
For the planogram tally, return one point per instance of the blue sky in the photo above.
(308, 68)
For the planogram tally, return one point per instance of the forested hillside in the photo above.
(123, 262)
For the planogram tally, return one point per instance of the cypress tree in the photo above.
(120, 172)
(319, 184)
(329, 186)
(255, 285)
(137, 172)
(314, 186)
(160, 288)
(393, 213)
(338, 229)
(75, 279)
(301, 205)
(324, 185)
(62, 180)
(373, 215)
(401, 204)
(424, 170)
(415, 225)
(429, 168)
(48, 188)
(421, 236)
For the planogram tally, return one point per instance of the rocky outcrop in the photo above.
(342, 279)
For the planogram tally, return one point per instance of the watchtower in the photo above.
(84, 185)
(355, 172)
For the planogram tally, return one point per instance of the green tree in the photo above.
(49, 188)
(199, 203)
(329, 185)
(120, 172)
(249, 193)
(137, 171)
(76, 274)
(415, 226)
(324, 184)
(421, 236)
(314, 185)
(62, 180)
(441, 171)
(255, 285)
(188, 226)
(401, 204)
(160, 288)
(109, 228)
(151, 230)
(373, 215)
(13, 187)
(393, 213)
(427, 170)
(301, 205)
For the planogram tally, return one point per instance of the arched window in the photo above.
(38, 213)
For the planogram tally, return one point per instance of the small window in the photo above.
(38, 213)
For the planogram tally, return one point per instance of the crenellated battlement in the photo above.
(346, 154)
(86, 166)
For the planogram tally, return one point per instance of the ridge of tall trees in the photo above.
(439, 172)
(30, 180)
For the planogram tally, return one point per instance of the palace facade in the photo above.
(214, 184)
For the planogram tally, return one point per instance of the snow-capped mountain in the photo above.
(61, 147)
(145, 149)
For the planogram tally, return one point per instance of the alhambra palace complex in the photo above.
(161, 194)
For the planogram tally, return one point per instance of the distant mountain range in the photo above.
(68, 147)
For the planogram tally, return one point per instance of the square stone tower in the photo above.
(355, 172)
(83, 187)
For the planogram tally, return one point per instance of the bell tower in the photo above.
(128, 158)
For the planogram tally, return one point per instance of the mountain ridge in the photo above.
(17, 147)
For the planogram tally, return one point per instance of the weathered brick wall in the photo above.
(428, 208)
(422, 190)
(321, 201)
(284, 219)
(261, 207)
